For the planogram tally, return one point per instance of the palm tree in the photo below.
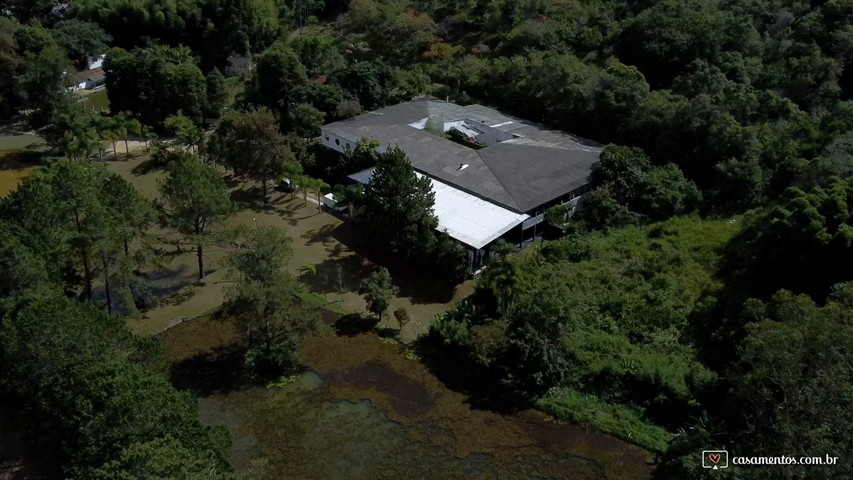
(304, 182)
(121, 133)
(349, 195)
(319, 185)
(87, 142)
(111, 137)
(128, 126)
(148, 133)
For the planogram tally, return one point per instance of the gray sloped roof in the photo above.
(533, 168)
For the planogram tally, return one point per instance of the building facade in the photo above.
(494, 175)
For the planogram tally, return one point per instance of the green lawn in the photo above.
(98, 100)
(17, 142)
(14, 165)
(324, 261)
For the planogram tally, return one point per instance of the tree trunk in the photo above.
(84, 252)
(319, 203)
(126, 148)
(115, 152)
(107, 284)
(200, 262)
(87, 271)
(101, 154)
(264, 187)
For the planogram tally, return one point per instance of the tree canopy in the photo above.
(197, 200)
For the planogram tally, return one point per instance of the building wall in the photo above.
(335, 142)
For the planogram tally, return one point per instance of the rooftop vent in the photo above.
(463, 166)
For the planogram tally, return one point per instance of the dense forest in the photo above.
(699, 300)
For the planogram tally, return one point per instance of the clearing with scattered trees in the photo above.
(193, 284)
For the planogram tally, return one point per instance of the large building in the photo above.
(493, 175)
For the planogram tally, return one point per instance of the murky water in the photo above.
(305, 434)
(365, 411)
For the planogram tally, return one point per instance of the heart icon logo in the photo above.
(714, 457)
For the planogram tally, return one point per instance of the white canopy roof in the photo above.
(470, 219)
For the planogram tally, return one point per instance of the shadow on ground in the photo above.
(335, 275)
(147, 166)
(218, 370)
(354, 324)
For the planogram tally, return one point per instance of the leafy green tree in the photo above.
(72, 128)
(134, 212)
(154, 83)
(261, 255)
(275, 324)
(317, 49)
(325, 98)
(559, 216)
(161, 459)
(11, 65)
(76, 375)
(217, 93)
(132, 215)
(189, 134)
(318, 185)
(253, 146)
(264, 299)
(26, 272)
(277, 75)
(397, 209)
(501, 276)
(368, 82)
(80, 39)
(602, 210)
(26, 10)
(196, 199)
(649, 193)
(43, 82)
(789, 376)
(362, 156)
(378, 291)
(350, 196)
(306, 120)
(82, 212)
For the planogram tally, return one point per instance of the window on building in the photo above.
(337, 141)
(327, 138)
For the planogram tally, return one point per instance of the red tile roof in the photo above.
(87, 74)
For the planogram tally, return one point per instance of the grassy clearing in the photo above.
(98, 100)
(20, 154)
(314, 300)
(617, 420)
(9, 143)
(323, 261)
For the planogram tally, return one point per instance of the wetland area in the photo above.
(363, 408)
